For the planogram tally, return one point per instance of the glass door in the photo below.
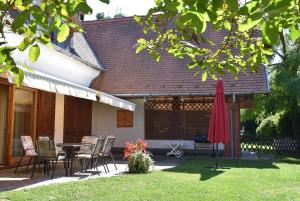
(3, 123)
(23, 119)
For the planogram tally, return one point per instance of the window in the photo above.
(124, 118)
(23, 118)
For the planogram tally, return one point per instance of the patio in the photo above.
(21, 180)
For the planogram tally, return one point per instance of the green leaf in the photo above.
(24, 44)
(34, 53)
(217, 4)
(19, 77)
(204, 76)
(233, 5)
(232, 69)
(294, 32)
(63, 33)
(250, 22)
(192, 65)
(269, 33)
(192, 19)
(20, 20)
(227, 25)
(138, 19)
(248, 8)
(278, 6)
(105, 1)
(155, 55)
(85, 8)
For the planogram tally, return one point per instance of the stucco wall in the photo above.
(105, 123)
(59, 118)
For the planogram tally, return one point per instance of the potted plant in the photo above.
(139, 159)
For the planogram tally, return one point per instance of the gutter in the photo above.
(185, 94)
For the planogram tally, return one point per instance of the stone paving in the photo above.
(20, 180)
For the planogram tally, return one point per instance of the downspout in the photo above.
(231, 127)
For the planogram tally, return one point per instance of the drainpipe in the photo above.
(231, 127)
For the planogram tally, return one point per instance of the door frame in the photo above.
(9, 159)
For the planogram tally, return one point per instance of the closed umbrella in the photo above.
(218, 131)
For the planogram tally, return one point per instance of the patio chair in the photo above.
(92, 156)
(106, 151)
(29, 150)
(47, 151)
(87, 149)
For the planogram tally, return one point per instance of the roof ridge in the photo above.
(119, 19)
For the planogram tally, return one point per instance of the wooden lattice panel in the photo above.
(176, 119)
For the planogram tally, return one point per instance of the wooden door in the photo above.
(46, 114)
(77, 118)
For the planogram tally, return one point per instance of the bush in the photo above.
(285, 128)
(139, 162)
(268, 127)
(139, 159)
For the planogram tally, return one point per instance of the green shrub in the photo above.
(268, 126)
(139, 162)
(285, 128)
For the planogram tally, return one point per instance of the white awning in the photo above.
(116, 102)
(43, 81)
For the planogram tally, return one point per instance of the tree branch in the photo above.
(282, 40)
(276, 52)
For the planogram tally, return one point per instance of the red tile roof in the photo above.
(129, 73)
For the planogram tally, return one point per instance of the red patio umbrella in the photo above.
(218, 131)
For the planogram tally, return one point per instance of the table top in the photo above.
(73, 144)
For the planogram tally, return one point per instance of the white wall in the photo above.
(105, 123)
(59, 118)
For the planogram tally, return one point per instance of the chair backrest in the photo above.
(29, 149)
(99, 145)
(43, 138)
(46, 148)
(109, 142)
(89, 140)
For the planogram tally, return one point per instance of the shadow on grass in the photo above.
(290, 160)
(198, 165)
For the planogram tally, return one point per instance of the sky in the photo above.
(127, 7)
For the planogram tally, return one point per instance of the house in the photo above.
(95, 84)
(171, 103)
(55, 98)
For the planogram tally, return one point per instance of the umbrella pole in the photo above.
(217, 165)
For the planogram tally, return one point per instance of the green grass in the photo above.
(244, 180)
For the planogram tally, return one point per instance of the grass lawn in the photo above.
(244, 180)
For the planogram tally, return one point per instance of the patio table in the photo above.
(70, 150)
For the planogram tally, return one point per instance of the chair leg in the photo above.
(96, 165)
(19, 164)
(54, 167)
(33, 168)
(65, 166)
(81, 166)
(112, 158)
(28, 164)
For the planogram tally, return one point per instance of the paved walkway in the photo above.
(20, 180)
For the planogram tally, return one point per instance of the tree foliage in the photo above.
(36, 20)
(252, 28)
(280, 109)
